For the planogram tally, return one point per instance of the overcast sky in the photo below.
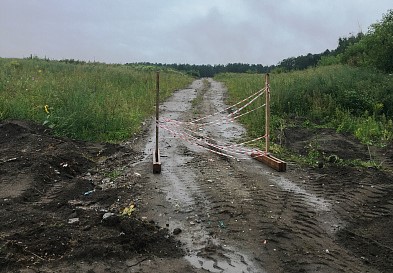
(181, 31)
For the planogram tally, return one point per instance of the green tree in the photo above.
(375, 48)
(379, 44)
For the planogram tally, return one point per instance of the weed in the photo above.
(112, 175)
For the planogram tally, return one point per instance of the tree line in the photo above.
(207, 70)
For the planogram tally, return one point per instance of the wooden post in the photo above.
(156, 153)
(265, 157)
(157, 107)
(267, 113)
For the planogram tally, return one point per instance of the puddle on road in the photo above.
(318, 203)
(233, 266)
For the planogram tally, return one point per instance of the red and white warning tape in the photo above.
(225, 119)
(236, 151)
(198, 143)
(247, 104)
(256, 95)
(230, 150)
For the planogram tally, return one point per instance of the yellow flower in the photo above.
(128, 210)
(46, 108)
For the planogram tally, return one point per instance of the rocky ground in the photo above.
(73, 206)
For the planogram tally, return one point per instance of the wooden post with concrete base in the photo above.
(156, 153)
(265, 157)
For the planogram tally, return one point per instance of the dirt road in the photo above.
(228, 215)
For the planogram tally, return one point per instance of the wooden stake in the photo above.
(265, 157)
(157, 106)
(267, 113)
(156, 154)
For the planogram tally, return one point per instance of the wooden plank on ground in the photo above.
(271, 161)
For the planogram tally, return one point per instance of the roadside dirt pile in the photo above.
(58, 201)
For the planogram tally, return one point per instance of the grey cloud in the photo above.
(215, 31)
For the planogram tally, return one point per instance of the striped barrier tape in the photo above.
(231, 149)
(181, 136)
(225, 119)
(257, 94)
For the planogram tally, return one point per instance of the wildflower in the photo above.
(46, 108)
(128, 210)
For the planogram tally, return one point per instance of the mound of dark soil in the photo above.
(54, 193)
(326, 141)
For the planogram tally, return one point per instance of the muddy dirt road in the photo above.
(203, 213)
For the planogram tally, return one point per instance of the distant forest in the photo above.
(289, 64)
(371, 49)
(286, 65)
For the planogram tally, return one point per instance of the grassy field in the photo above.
(88, 101)
(101, 102)
(355, 100)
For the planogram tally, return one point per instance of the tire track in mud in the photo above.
(358, 197)
(290, 234)
(364, 202)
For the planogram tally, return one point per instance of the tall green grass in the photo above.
(90, 101)
(355, 100)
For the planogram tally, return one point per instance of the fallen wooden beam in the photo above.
(270, 161)
(156, 162)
